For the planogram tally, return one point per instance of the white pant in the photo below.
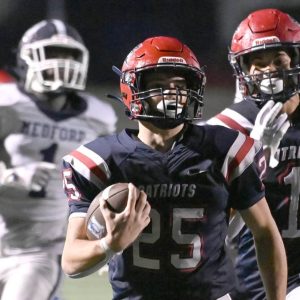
(29, 277)
(294, 294)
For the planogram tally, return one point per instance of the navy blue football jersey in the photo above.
(190, 189)
(282, 185)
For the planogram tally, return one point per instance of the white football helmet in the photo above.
(52, 58)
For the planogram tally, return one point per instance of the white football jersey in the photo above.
(31, 221)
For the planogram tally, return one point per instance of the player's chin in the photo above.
(164, 124)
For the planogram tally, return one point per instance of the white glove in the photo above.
(269, 128)
(33, 176)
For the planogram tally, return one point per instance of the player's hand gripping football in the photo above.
(123, 228)
(270, 126)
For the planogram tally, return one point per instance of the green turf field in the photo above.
(93, 287)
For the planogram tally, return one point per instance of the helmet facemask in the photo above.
(55, 64)
(177, 104)
(279, 85)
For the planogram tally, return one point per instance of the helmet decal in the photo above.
(265, 40)
(171, 59)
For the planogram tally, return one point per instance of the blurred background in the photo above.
(112, 28)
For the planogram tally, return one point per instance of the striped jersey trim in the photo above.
(232, 119)
(90, 165)
(239, 157)
(231, 123)
(60, 26)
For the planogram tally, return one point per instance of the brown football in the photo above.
(116, 197)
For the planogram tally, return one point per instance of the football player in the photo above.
(189, 175)
(265, 57)
(43, 115)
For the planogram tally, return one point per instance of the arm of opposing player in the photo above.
(9, 121)
(270, 250)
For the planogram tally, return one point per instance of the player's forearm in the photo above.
(81, 255)
(272, 263)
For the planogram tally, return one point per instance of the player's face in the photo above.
(268, 61)
(53, 52)
(272, 61)
(173, 97)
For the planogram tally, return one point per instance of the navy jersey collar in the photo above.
(128, 138)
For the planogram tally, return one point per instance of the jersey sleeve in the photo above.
(243, 168)
(239, 116)
(9, 119)
(85, 174)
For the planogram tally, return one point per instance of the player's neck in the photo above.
(56, 103)
(159, 139)
(295, 116)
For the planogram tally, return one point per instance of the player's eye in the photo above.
(282, 62)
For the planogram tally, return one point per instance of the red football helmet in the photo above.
(267, 29)
(162, 54)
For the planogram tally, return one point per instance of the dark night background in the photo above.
(112, 28)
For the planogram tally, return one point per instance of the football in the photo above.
(116, 197)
